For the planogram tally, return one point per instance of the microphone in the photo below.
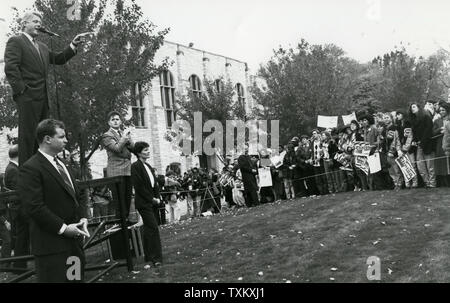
(45, 31)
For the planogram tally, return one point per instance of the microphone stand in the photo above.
(58, 109)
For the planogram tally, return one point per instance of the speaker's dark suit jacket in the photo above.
(144, 194)
(26, 71)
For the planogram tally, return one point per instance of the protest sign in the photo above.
(265, 178)
(277, 161)
(374, 163)
(362, 164)
(348, 118)
(362, 149)
(406, 167)
(327, 122)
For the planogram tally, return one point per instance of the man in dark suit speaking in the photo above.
(57, 213)
(26, 68)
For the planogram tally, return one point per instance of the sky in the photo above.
(249, 30)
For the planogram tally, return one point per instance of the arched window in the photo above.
(137, 106)
(219, 85)
(196, 85)
(167, 95)
(240, 94)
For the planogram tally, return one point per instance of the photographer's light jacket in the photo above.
(119, 156)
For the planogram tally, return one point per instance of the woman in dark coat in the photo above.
(441, 164)
(146, 196)
(289, 164)
(422, 128)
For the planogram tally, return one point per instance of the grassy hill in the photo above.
(322, 239)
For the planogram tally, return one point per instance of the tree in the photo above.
(409, 79)
(305, 82)
(98, 80)
(216, 102)
(364, 98)
(8, 111)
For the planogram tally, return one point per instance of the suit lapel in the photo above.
(33, 49)
(52, 170)
(115, 134)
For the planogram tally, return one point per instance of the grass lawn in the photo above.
(304, 239)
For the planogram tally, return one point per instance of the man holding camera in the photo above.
(119, 144)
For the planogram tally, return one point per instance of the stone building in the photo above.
(154, 112)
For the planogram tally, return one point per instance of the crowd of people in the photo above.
(319, 163)
(324, 162)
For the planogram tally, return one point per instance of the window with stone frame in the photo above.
(240, 95)
(137, 105)
(167, 87)
(196, 85)
(220, 87)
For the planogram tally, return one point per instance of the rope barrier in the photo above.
(299, 179)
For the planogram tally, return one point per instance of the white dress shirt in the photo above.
(150, 175)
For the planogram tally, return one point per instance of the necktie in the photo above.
(63, 174)
(36, 46)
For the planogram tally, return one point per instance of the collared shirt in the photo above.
(14, 162)
(52, 161)
(32, 40)
(149, 173)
